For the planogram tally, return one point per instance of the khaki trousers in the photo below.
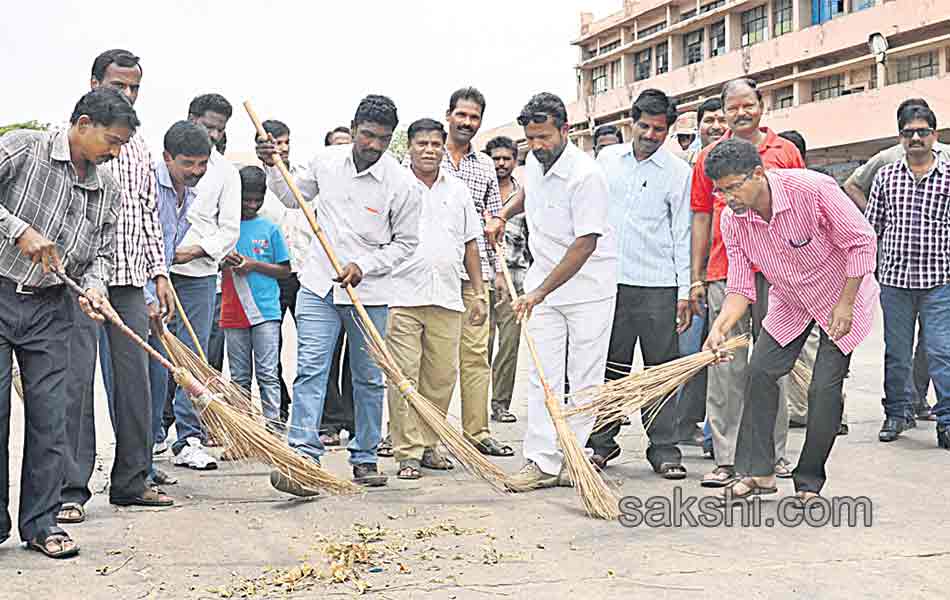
(424, 341)
(474, 370)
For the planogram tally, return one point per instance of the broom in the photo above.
(650, 389)
(470, 460)
(240, 430)
(598, 500)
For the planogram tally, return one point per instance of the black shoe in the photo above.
(367, 474)
(943, 437)
(923, 412)
(843, 429)
(893, 427)
(795, 425)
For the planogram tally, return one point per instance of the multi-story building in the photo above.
(820, 65)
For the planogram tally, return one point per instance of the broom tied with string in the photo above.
(455, 443)
(239, 430)
(598, 500)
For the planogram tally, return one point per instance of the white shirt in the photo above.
(293, 224)
(215, 217)
(370, 218)
(568, 202)
(433, 274)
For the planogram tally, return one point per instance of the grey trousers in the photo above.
(504, 363)
(726, 388)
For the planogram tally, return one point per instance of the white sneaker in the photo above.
(194, 456)
(159, 448)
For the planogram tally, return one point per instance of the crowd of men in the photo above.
(677, 247)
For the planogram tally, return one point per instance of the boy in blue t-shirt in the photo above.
(250, 297)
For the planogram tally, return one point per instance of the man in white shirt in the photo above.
(427, 309)
(215, 218)
(572, 282)
(369, 211)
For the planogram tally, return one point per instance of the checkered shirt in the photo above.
(477, 172)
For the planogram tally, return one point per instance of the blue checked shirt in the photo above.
(173, 218)
(649, 209)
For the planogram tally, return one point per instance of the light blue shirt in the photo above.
(649, 208)
(172, 217)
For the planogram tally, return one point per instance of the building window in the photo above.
(782, 17)
(754, 23)
(642, 64)
(783, 98)
(872, 81)
(616, 74)
(917, 66)
(662, 58)
(717, 39)
(825, 10)
(609, 47)
(687, 15)
(599, 79)
(693, 47)
(711, 6)
(862, 4)
(651, 30)
(827, 87)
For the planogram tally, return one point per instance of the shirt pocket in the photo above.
(937, 207)
(368, 216)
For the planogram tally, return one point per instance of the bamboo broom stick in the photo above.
(455, 443)
(598, 500)
(241, 431)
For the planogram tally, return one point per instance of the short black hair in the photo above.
(105, 107)
(275, 128)
(732, 157)
(911, 102)
(708, 105)
(117, 56)
(328, 138)
(654, 102)
(209, 103)
(190, 139)
(607, 130)
(730, 86)
(544, 103)
(423, 125)
(797, 139)
(503, 142)
(467, 93)
(914, 112)
(376, 109)
(253, 179)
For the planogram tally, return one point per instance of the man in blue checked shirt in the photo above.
(649, 207)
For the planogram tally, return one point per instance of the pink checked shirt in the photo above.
(816, 240)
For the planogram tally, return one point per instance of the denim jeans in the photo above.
(197, 298)
(216, 337)
(901, 309)
(319, 321)
(691, 397)
(254, 351)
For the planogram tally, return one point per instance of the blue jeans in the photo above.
(216, 339)
(254, 351)
(197, 298)
(105, 364)
(901, 309)
(318, 326)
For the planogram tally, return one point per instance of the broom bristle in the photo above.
(250, 440)
(468, 457)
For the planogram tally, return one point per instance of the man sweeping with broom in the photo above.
(369, 209)
(570, 287)
(818, 252)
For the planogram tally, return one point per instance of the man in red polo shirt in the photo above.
(743, 107)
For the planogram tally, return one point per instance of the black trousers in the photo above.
(755, 446)
(288, 302)
(35, 328)
(131, 403)
(649, 315)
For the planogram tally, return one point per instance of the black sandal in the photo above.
(409, 469)
(671, 471)
(72, 508)
(490, 447)
(385, 447)
(433, 459)
(504, 416)
(56, 535)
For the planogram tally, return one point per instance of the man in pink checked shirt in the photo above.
(818, 252)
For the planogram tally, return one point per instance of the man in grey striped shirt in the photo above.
(57, 211)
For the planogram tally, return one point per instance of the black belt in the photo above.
(30, 290)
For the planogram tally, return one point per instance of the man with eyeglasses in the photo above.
(909, 209)
(743, 108)
(812, 244)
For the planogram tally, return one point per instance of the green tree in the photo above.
(399, 146)
(34, 124)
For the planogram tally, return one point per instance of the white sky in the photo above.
(306, 63)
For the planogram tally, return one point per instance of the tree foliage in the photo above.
(34, 124)
(399, 146)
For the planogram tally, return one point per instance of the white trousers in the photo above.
(581, 332)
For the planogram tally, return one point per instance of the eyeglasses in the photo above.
(538, 117)
(731, 190)
(921, 132)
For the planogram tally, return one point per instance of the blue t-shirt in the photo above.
(247, 301)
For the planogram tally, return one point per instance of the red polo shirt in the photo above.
(776, 153)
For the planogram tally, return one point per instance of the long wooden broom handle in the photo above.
(321, 237)
(184, 319)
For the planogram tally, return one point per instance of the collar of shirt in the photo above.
(772, 140)
(377, 170)
(59, 150)
(940, 164)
